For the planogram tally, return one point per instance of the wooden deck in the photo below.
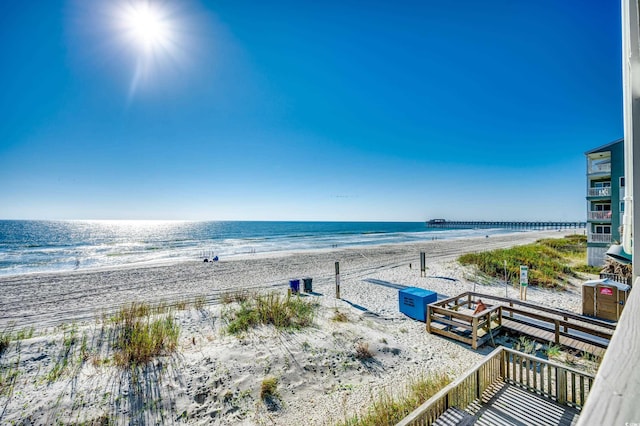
(454, 318)
(507, 404)
(545, 335)
(508, 388)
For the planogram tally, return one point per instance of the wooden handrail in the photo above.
(570, 386)
(558, 312)
(564, 324)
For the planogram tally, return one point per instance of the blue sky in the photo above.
(290, 110)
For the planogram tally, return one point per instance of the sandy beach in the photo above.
(214, 377)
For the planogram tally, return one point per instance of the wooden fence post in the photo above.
(337, 280)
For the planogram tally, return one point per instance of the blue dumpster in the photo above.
(413, 302)
(294, 285)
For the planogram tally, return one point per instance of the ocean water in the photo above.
(47, 246)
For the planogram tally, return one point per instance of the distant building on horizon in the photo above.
(605, 199)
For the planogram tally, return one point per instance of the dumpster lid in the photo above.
(607, 282)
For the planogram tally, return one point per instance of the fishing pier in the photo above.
(454, 224)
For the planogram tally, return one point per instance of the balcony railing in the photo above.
(600, 215)
(559, 383)
(599, 238)
(599, 192)
(600, 168)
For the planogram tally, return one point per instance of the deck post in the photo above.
(428, 319)
(557, 333)
(565, 325)
(474, 338)
(561, 385)
(511, 312)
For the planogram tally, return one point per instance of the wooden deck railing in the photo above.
(560, 383)
(477, 327)
(446, 318)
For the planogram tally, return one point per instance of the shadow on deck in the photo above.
(508, 388)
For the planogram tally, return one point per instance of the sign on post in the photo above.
(524, 281)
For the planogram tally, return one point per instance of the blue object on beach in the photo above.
(294, 285)
(413, 302)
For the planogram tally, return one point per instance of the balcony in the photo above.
(599, 238)
(603, 216)
(599, 168)
(599, 192)
(508, 388)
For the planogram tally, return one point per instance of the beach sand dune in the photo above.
(214, 377)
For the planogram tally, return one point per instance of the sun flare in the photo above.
(147, 26)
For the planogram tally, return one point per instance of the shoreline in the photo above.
(164, 262)
(214, 377)
(170, 256)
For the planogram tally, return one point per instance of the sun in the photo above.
(147, 26)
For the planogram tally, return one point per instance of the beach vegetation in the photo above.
(8, 375)
(362, 351)
(525, 345)
(282, 312)
(240, 296)
(5, 339)
(592, 362)
(551, 261)
(339, 316)
(269, 387)
(553, 351)
(200, 302)
(8, 335)
(64, 360)
(388, 409)
(141, 335)
(587, 269)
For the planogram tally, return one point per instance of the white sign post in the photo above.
(524, 281)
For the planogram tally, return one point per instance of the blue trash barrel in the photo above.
(294, 285)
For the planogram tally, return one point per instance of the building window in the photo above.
(621, 206)
(601, 229)
(622, 182)
(602, 184)
(601, 207)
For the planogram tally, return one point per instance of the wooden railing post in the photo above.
(511, 312)
(474, 337)
(561, 385)
(429, 319)
(565, 325)
(557, 331)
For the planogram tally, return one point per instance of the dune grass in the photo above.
(550, 261)
(283, 312)
(389, 410)
(269, 387)
(141, 334)
(339, 316)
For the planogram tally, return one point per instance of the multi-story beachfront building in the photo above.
(605, 199)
